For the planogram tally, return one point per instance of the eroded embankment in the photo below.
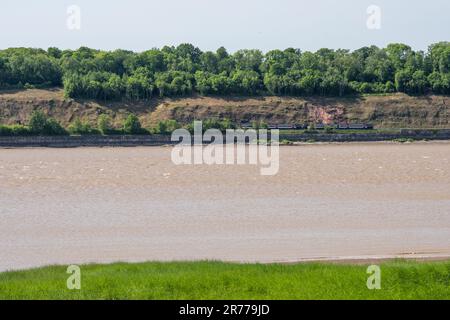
(391, 111)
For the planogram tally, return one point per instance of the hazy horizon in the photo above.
(140, 25)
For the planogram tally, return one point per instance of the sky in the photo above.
(235, 24)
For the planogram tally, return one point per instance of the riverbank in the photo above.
(383, 111)
(159, 140)
(217, 280)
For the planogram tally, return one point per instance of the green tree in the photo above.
(246, 82)
(418, 83)
(402, 80)
(175, 71)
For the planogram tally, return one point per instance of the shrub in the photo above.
(41, 124)
(132, 125)
(14, 130)
(20, 130)
(5, 131)
(53, 128)
(166, 127)
(220, 124)
(79, 127)
(104, 124)
(227, 124)
(37, 122)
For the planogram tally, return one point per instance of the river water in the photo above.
(328, 201)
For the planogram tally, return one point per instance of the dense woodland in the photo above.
(185, 69)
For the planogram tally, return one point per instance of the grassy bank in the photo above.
(216, 280)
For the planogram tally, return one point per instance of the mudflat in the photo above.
(328, 201)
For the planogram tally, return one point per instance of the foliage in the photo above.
(52, 127)
(78, 127)
(132, 125)
(14, 130)
(185, 70)
(42, 125)
(165, 127)
(104, 124)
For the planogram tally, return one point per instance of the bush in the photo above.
(79, 127)
(104, 124)
(37, 122)
(219, 124)
(53, 128)
(41, 124)
(227, 124)
(165, 127)
(5, 131)
(132, 125)
(20, 130)
(14, 130)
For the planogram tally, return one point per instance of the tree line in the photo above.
(185, 69)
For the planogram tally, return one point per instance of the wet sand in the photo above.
(328, 202)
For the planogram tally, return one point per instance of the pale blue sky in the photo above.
(263, 24)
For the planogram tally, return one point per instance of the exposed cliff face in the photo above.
(326, 115)
(397, 110)
(384, 111)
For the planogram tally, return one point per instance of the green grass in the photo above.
(216, 280)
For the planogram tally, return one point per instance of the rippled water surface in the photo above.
(83, 205)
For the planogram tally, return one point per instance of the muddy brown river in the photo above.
(328, 201)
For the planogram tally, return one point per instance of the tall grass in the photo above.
(216, 280)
